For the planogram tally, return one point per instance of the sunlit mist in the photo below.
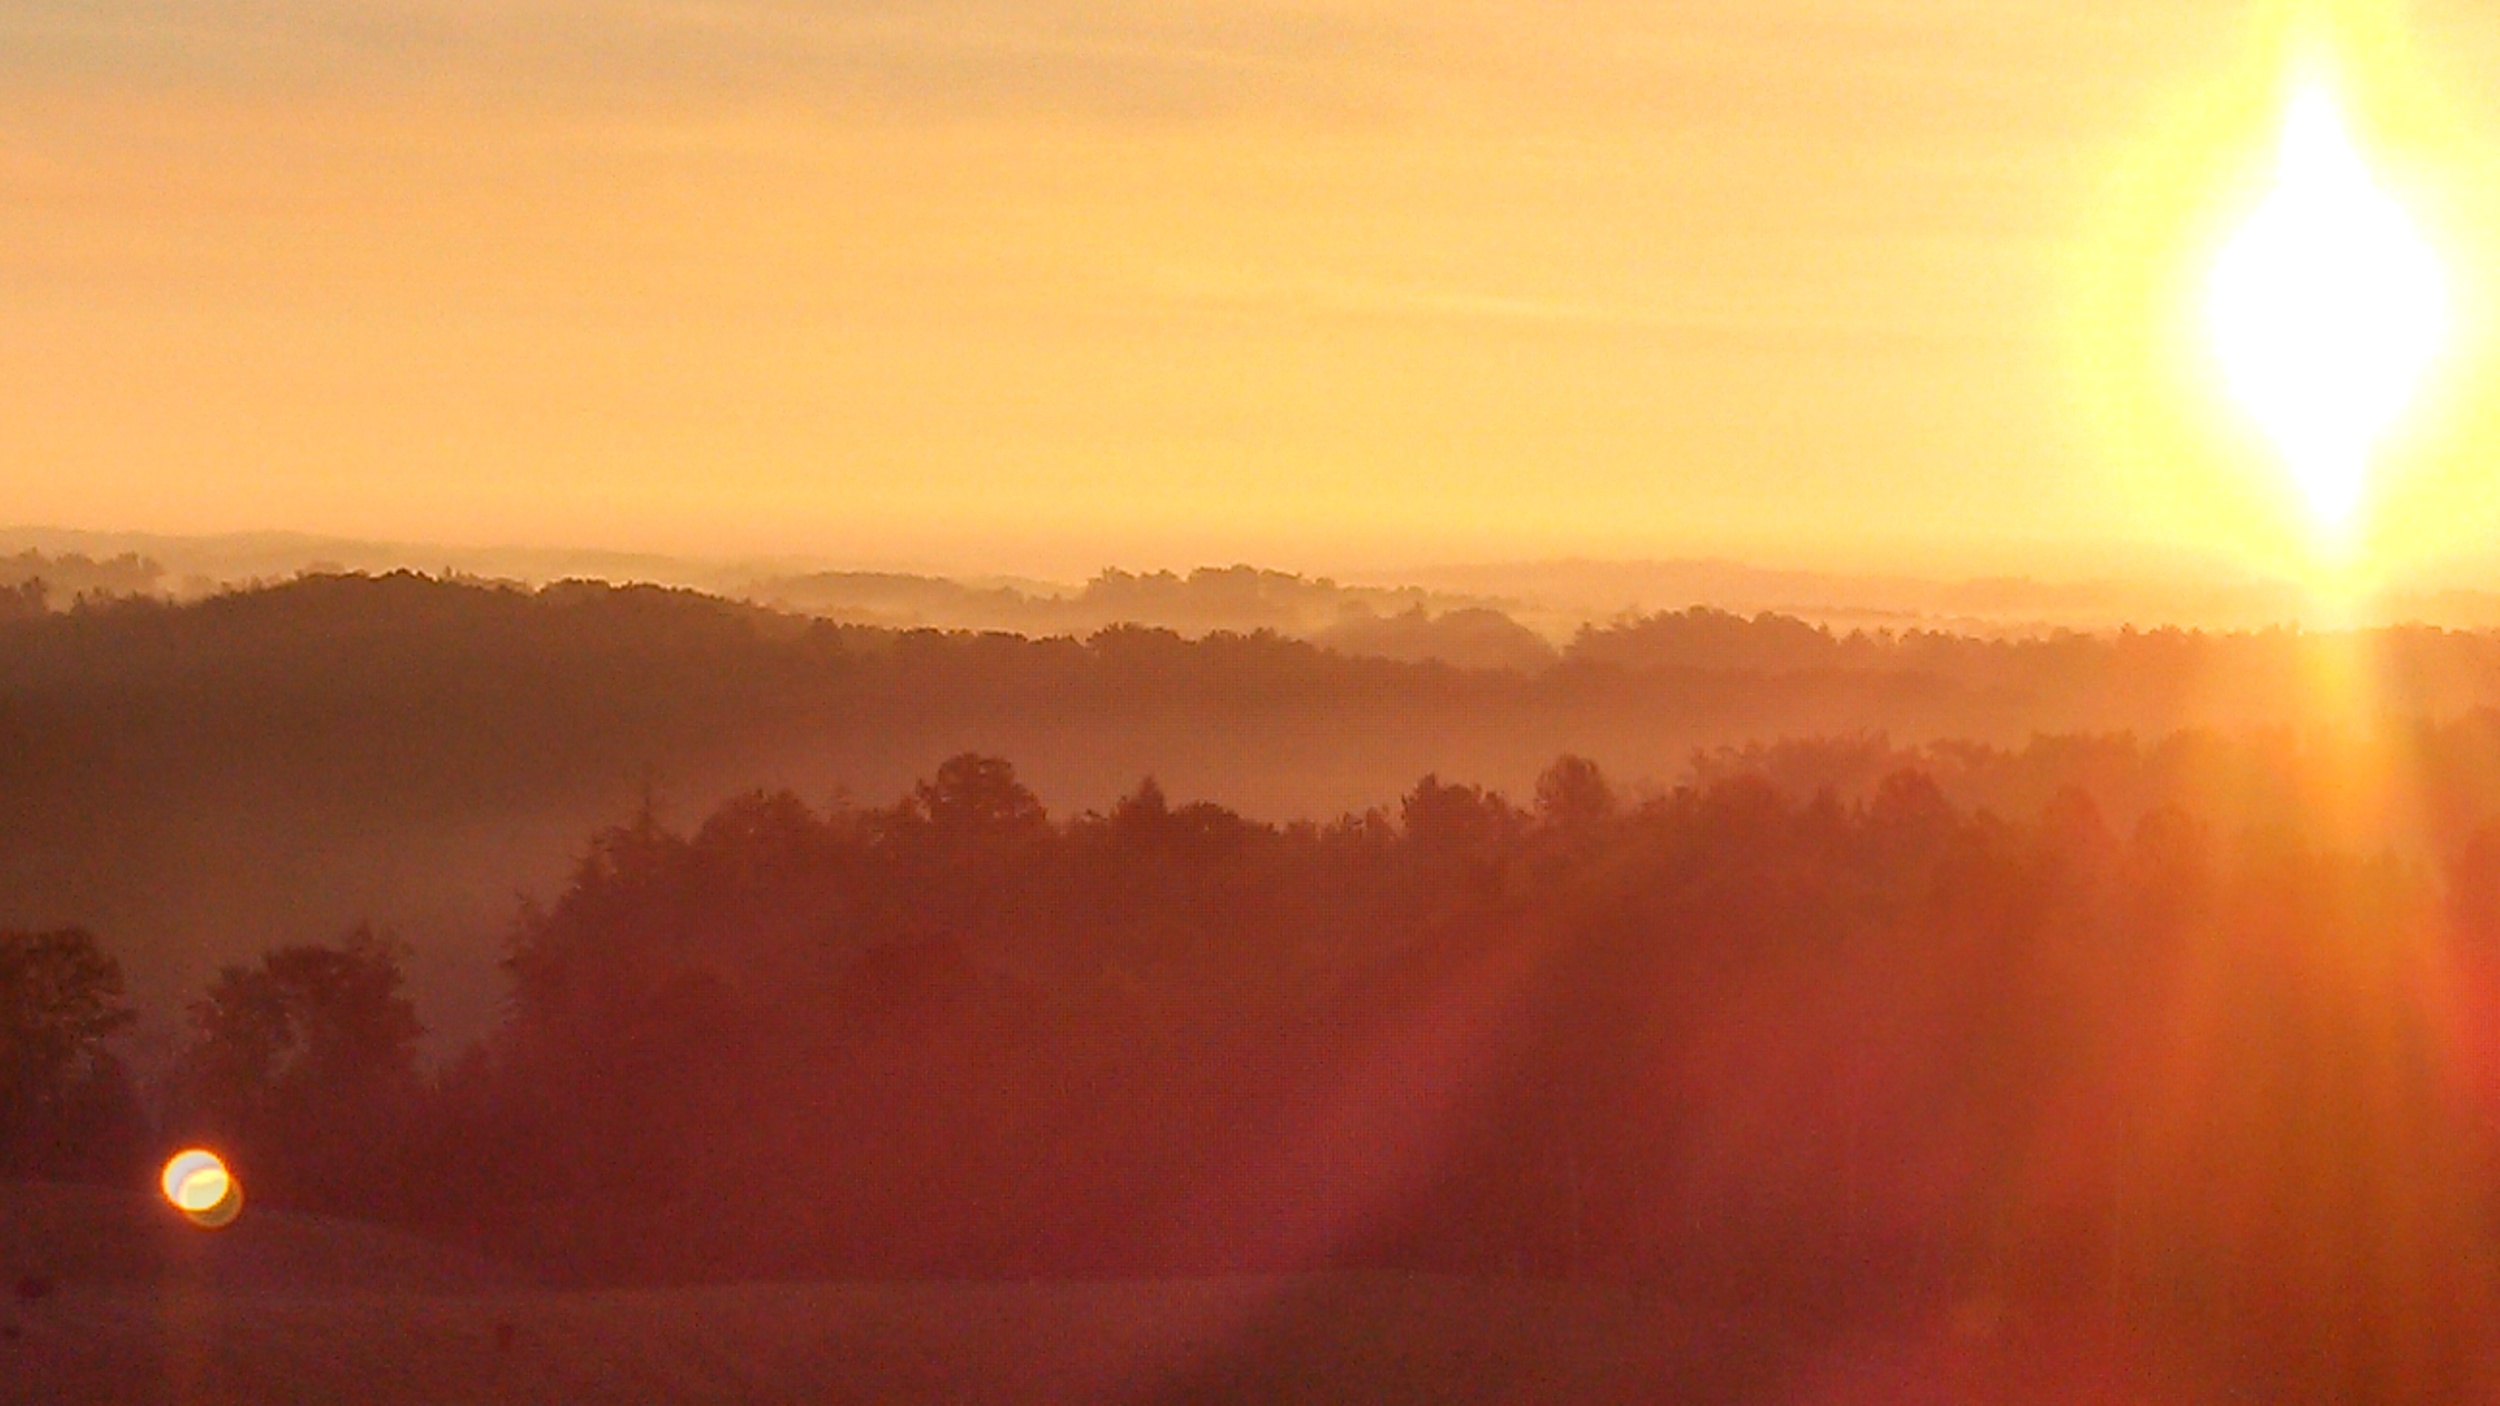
(2326, 310)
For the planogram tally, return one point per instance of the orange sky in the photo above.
(1041, 285)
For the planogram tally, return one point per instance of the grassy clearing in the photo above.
(88, 1238)
(142, 1308)
(1352, 1339)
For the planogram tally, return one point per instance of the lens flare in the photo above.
(223, 1213)
(2327, 309)
(198, 1184)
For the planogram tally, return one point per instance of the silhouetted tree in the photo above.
(976, 799)
(1572, 796)
(66, 1107)
(305, 1064)
(24, 600)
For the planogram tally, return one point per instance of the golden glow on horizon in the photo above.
(2327, 310)
(1335, 287)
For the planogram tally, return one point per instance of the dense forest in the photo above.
(198, 782)
(2136, 975)
(1798, 1057)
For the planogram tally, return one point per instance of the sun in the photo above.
(2326, 310)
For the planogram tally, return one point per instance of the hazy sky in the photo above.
(1045, 285)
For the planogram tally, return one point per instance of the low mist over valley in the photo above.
(200, 780)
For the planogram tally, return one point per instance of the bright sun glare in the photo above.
(2326, 309)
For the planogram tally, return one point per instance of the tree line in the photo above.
(1802, 1053)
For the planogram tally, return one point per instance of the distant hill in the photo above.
(200, 782)
(1567, 593)
(1553, 598)
(1392, 623)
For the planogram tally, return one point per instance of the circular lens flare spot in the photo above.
(2326, 309)
(224, 1212)
(199, 1185)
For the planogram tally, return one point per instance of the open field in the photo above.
(300, 1309)
(281, 1307)
(1371, 1339)
(1350, 1340)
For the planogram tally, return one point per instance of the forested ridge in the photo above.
(2174, 1025)
(201, 781)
